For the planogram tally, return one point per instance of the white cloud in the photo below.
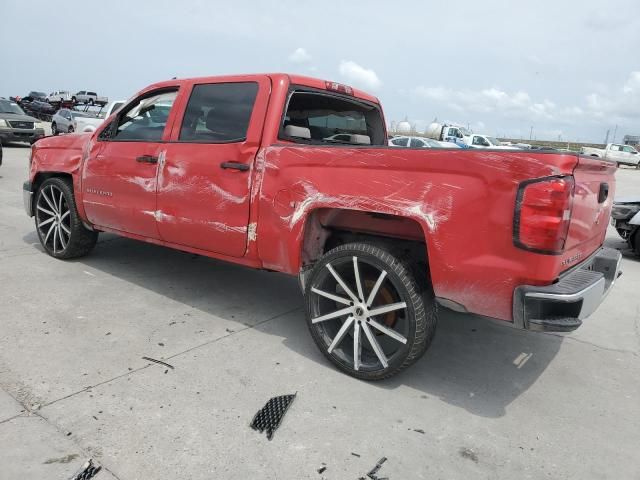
(300, 55)
(359, 76)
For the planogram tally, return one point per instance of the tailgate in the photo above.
(594, 191)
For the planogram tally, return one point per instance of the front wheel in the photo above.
(367, 313)
(58, 224)
(54, 129)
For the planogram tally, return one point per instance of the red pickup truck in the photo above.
(292, 174)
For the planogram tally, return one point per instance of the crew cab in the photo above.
(621, 154)
(245, 169)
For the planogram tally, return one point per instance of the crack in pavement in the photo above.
(585, 342)
(190, 349)
(28, 412)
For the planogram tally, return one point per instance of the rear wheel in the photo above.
(58, 224)
(54, 129)
(367, 313)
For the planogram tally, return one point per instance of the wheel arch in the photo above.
(327, 228)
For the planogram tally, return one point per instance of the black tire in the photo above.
(54, 129)
(70, 129)
(91, 101)
(415, 322)
(73, 99)
(624, 234)
(79, 241)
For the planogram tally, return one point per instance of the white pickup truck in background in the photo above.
(89, 98)
(621, 154)
(485, 141)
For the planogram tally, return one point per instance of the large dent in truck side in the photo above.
(463, 202)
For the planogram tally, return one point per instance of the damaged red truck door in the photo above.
(292, 174)
(208, 161)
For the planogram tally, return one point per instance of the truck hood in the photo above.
(72, 141)
(17, 117)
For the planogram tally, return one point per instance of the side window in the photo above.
(415, 143)
(401, 142)
(323, 118)
(477, 141)
(145, 119)
(92, 94)
(615, 148)
(627, 149)
(218, 112)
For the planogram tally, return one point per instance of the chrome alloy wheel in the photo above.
(53, 219)
(363, 327)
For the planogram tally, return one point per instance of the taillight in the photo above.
(543, 213)
(338, 87)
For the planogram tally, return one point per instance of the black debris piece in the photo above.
(322, 469)
(160, 362)
(372, 473)
(355, 454)
(269, 417)
(87, 471)
(418, 430)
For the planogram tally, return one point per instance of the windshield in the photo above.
(10, 107)
(464, 131)
(494, 141)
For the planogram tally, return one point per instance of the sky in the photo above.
(558, 70)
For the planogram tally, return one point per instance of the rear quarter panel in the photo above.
(463, 200)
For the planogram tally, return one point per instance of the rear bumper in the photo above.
(562, 306)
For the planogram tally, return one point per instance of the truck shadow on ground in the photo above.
(622, 246)
(473, 363)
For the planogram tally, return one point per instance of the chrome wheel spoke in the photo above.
(60, 202)
(357, 346)
(376, 287)
(63, 242)
(331, 296)
(341, 333)
(336, 314)
(51, 228)
(55, 239)
(66, 230)
(65, 215)
(48, 212)
(46, 222)
(387, 308)
(375, 345)
(341, 283)
(358, 282)
(387, 331)
(51, 205)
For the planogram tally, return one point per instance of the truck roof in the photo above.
(275, 77)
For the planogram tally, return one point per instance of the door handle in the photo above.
(603, 194)
(147, 159)
(243, 167)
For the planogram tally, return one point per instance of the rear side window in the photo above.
(318, 117)
(400, 142)
(218, 112)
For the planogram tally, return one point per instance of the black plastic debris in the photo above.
(373, 472)
(270, 416)
(159, 362)
(322, 470)
(87, 471)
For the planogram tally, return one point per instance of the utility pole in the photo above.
(531, 133)
(606, 138)
(614, 134)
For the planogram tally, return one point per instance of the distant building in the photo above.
(631, 140)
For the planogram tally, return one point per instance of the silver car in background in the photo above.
(69, 121)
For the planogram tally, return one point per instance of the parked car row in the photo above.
(67, 120)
